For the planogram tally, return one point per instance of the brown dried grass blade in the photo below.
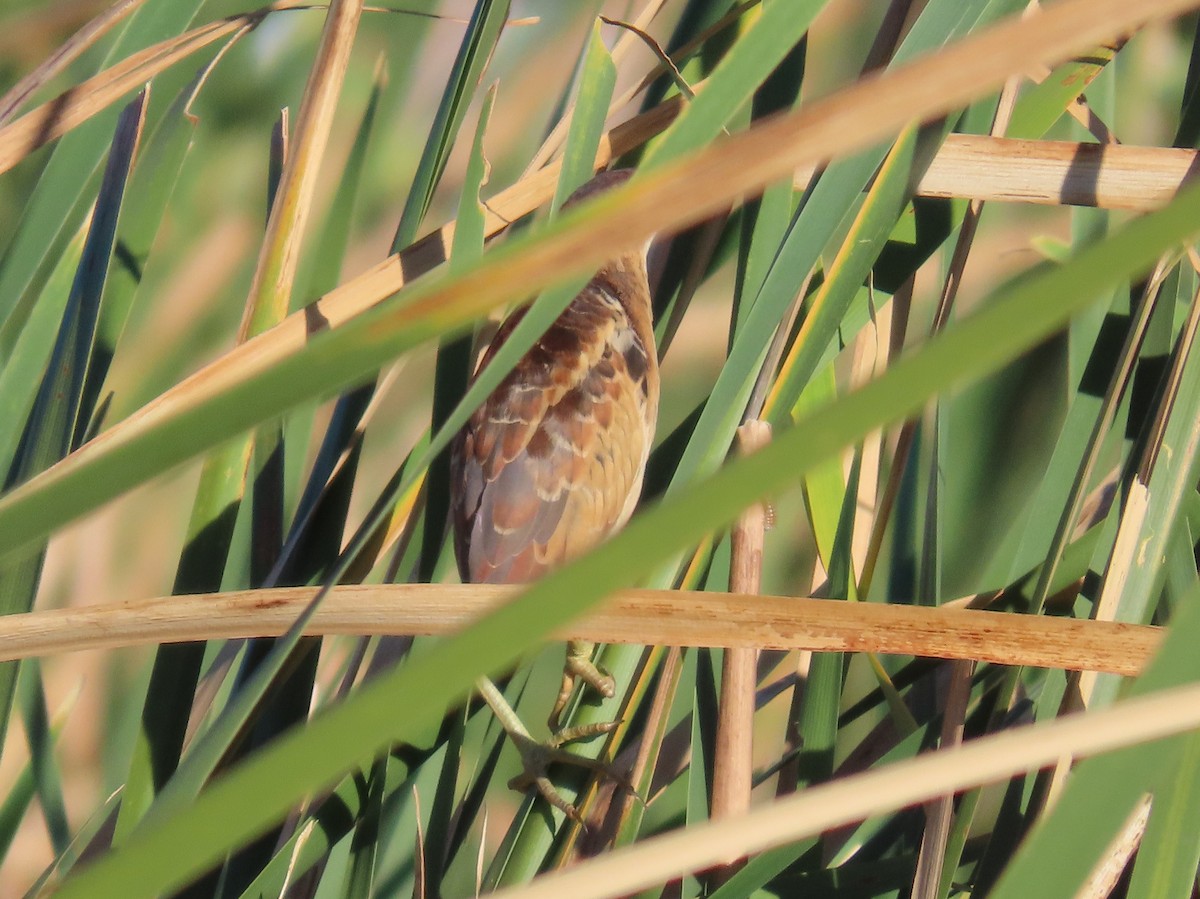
(76, 105)
(276, 270)
(64, 55)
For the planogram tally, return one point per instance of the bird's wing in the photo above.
(553, 461)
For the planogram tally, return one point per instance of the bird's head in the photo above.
(598, 184)
(628, 271)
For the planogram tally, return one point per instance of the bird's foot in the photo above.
(579, 666)
(536, 759)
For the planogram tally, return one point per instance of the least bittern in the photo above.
(552, 462)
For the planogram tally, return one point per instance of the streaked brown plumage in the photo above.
(552, 462)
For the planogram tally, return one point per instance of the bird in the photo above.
(553, 461)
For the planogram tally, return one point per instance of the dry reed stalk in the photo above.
(667, 617)
(733, 757)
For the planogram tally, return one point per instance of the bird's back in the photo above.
(553, 461)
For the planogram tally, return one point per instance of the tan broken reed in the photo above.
(733, 753)
(667, 617)
(1110, 176)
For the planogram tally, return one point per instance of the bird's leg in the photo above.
(579, 666)
(536, 757)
